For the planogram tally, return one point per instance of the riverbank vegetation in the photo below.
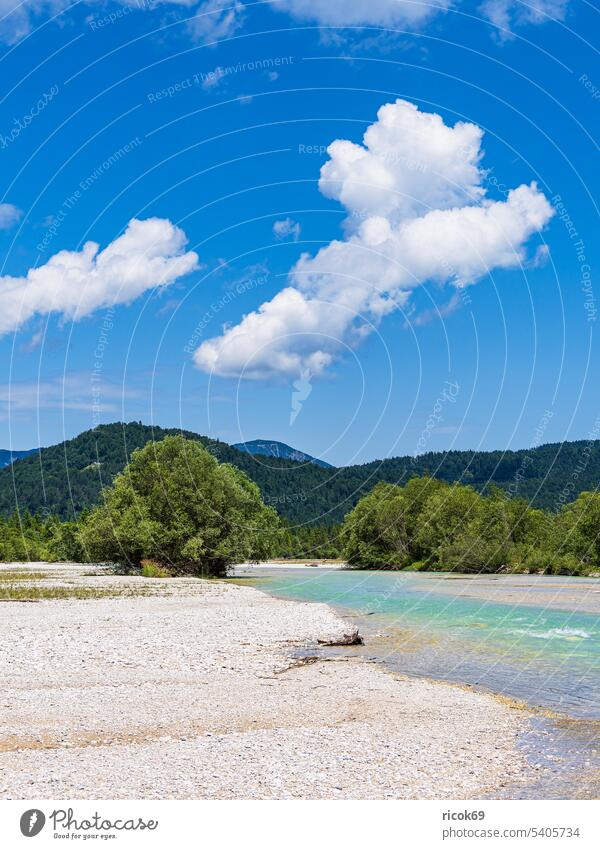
(175, 509)
(429, 524)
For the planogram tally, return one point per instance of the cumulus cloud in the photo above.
(212, 79)
(505, 14)
(287, 228)
(423, 216)
(74, 284)
(409, 161)
(389, 13)
(15, 20)
(213, 21)
(9, 215)
(216, 19)
(342, 13)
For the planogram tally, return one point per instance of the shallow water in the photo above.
(426, 624)
(535, 639)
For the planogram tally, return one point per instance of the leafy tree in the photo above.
(66, 542)
(444, 517)
(417, 492)
(176, 505)
(375, 532)
(25, 538)
(579, 529)
(483, 544)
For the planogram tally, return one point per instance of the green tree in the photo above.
(25, 538)
(65, 541)
(484, 543)
(443, 519)
(175, 504)
(579, 529)
(417, 492)
(375, 533)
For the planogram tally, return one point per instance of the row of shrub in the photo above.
(431, 524)
(27, 538)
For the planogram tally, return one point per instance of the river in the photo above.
(531, 638)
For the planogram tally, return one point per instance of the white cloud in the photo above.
(361, 12)
(424, 217)
(216, 19)
(74, 284)
(409, 162)
(540, 258)
(34, 343)
(506, 14)
(9, 215)
(390, 13)
(287, 228)
(15, 20)
(213, 78)
(433, 313)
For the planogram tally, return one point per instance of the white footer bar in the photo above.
(301, 824)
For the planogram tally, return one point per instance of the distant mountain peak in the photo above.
(8, 457)
(272, 448)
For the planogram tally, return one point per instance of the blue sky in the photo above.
(407, 300)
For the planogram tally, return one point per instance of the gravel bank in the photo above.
(189, 691)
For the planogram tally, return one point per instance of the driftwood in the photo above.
(350, 637)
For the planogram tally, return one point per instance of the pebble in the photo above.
(189, 691)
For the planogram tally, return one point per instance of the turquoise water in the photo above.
(535, 639)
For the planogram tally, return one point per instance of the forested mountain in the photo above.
(272, 448)
(65, 478)
(68, 477)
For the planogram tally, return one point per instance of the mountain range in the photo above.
(66, 478)
(271, 448)
(7, 457)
